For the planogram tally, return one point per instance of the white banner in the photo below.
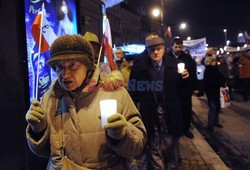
(196, 47)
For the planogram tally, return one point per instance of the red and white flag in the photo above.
(47, 33)
(169, 33)
(107, 45)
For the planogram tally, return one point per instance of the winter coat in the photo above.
(146, 101)
(190, 65)
(85, 141)
(213, 80)
(124, 64)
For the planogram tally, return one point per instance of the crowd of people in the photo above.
(154, 106)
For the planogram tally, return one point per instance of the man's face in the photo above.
(119, 54)
(177, 49)
(71, 74)
(156, 52)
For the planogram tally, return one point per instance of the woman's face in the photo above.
(71, 74)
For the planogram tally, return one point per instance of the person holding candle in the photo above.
(65, 126)
(156, 88)
(190, 66)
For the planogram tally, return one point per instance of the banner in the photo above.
(196, 47)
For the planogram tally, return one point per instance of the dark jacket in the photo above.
(172, 88)
(213, 80)
(190, 65)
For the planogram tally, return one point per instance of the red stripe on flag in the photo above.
(35, 29)
(107, 50)
(169, 33)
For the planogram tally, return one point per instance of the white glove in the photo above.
(36, 117)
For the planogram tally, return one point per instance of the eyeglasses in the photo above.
(71, 66)
(157, 48)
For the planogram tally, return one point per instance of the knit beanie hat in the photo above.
(71, 48)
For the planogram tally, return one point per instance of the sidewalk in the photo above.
(232, 141)
(240, 104)
(196, 154)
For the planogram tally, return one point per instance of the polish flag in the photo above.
(169, 33)
(107, 45)
(47, 33)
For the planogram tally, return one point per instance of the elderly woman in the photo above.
(66, 126)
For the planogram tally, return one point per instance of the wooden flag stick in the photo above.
(99, 56)
(39, 53)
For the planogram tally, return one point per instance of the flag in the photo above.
(48, 35)
(110, 3)
(107, 45)
(169, 33)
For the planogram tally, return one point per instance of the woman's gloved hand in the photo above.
(36, 116)
(116, 126)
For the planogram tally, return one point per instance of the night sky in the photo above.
(204, 18)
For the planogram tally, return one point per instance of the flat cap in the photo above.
(155, 41)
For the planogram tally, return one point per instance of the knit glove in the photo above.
(116, 126)
(36, 117)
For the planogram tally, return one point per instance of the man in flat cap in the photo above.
(156, 88)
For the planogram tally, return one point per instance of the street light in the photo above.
(183, 26)
(225, 35)
(188, 38)
(228, 42)
(240, 38)
(240, 34)
(156, 12)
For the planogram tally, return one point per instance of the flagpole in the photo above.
(39, 52)
(99, 56)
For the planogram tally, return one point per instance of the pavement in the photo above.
(233, 138)
(196, 153)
